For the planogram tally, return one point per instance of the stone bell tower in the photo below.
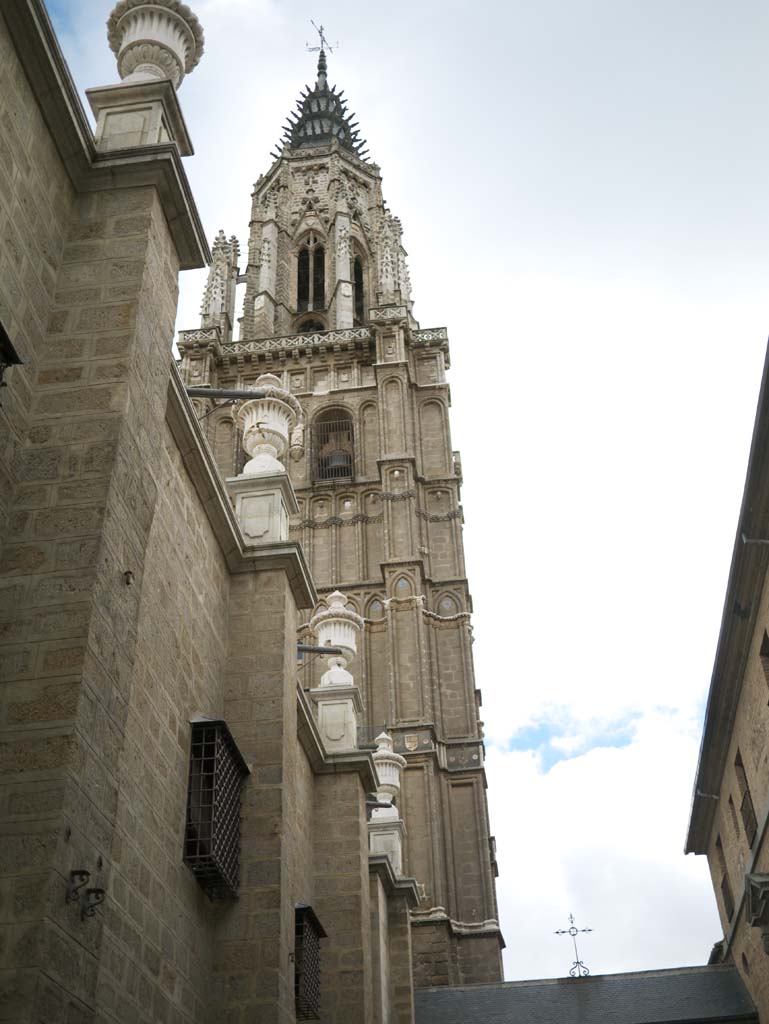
(328, 311)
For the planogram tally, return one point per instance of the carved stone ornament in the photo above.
(389, 766)
(154, 39)
(267, 424)
(757, 905)
(337, 626)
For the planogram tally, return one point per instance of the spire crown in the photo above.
(321, 116)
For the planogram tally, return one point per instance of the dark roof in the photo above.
(690, 994)
(321, 115)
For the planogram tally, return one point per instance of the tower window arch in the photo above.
(358, 290)
(311, 275)
(333, 446)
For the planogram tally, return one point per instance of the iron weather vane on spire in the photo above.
(324, 43)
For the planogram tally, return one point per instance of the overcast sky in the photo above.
(584, 195)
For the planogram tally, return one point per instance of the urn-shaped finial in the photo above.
(389, 766)
(267, 424)
(154, 39)
(337, 626)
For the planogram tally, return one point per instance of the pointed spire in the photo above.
(321, 113)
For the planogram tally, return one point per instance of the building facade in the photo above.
(189, 816)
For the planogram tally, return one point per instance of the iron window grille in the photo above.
(747, 810)
(212, 835)
(333, 449)
(309, 932)
(727, 896)
(748, 814)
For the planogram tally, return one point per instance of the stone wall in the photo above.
(157, 941)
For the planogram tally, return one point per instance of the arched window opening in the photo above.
(359, 302)
(303, 280)
(311, 275)
(310, 326)
(333, 449)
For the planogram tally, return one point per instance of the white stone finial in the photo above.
(154, 39)
(337, 626)
(267, 424)
(389, 766)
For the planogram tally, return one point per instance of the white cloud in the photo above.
(601, 835)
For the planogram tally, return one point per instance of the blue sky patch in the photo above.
(560, 738)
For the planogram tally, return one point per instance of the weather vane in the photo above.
(578, 969)
(324, 43)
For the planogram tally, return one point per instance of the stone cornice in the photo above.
(393, 884)
(750, 559)
(200, 466)
(89, 171)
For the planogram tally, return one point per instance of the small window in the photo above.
(308, 933)
(359, 301)
(333, 450)
(764, 655)
(747, 813)
(726, 888)
(212, 836)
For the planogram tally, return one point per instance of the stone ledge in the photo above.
(199, 464)
(393, 884)
(160, 166)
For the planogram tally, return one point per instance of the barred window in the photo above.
(726, 887)
(332, 443)
(212, 836)
(309, 932)
(747, 813)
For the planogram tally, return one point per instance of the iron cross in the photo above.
(578, 969)
(324, 43)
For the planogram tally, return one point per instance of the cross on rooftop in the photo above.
(324, 43)
(578, 969)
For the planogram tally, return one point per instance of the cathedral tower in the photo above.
(328, 310)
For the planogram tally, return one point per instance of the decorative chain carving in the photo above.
(292, 341)
(324, 524)
(389, 313)
(401, 496)
(429, 336)
(439, 517)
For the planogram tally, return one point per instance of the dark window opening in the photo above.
(212, 835)
(764, 655)
(319, 278)
(726, 888)
(311, 276)
(303, 280)
(747, 813)
(333, 449)
(8, 354)
(308, 933)
(311, 326)
(357, 288)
